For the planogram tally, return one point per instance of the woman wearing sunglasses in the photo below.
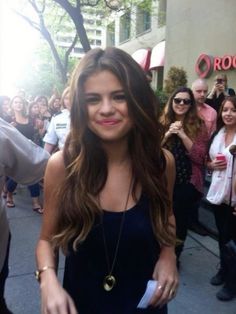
(187, 138)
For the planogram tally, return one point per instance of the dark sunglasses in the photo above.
(181, 100)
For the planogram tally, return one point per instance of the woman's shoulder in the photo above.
(56, 164)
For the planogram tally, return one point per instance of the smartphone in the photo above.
(221, 157)
(219, 81)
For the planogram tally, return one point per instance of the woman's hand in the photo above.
(55, 300)
(216, 164)
(166, 274)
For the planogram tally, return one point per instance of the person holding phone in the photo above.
(222, 195)
(219, 91)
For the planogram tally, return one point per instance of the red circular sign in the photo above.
(203, 66)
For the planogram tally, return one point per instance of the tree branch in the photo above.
(70, 49)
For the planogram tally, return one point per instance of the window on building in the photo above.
(98, 42)
(143, 19)
(125, 27)
(92, 41)
(162, 13)
(98, 32)
(78, 50)
(88, 21)
(111, 34)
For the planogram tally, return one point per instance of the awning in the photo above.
(158, 55)
(142, 57)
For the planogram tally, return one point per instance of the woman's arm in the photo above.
(54, 298)
(165, 271)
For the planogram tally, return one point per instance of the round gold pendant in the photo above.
(109, 282)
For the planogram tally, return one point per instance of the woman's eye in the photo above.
(92, 100)
(119, 97)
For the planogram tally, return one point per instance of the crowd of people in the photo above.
(131, 181)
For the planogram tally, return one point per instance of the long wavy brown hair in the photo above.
(192, 123)
(86, 161)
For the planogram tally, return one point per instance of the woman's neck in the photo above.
(20, 117)
(179, 118)
(117, 152)
(230, 129)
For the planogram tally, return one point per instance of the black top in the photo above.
(183, 163)
(215, 102)
(137, 255)
(26, 129)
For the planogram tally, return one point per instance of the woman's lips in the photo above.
(108, 122)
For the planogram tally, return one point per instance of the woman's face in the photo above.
(17, 104)
(229, 114)
(35, 110)
(107, 108)
(43, 107)
(181, 104)
(66, 101)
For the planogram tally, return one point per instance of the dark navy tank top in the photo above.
(137, 255)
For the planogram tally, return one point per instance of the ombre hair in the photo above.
(86, 160)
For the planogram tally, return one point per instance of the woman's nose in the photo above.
(106, 106)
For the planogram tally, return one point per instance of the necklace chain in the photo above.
(109, 281)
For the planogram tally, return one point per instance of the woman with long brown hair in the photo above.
(108, 197)
(187, 138)
(222, 195)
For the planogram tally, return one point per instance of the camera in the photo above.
(219, 81)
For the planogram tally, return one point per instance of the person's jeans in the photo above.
(34, 189)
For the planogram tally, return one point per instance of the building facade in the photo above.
(198, 36)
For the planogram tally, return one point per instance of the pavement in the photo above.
(199, 262)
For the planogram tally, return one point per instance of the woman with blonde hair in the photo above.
(187, 138)
(110, 208)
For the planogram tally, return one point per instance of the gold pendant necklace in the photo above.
(109, 281)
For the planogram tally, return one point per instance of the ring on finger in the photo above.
(172, 293)
(160, 287)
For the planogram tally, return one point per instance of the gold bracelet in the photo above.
(38, 272)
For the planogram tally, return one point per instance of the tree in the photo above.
(39, 24)
(49, 15)
(176, 77)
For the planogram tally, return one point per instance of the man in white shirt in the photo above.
(59, 126)
(25, 162)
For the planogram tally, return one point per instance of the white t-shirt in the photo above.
(58, 129)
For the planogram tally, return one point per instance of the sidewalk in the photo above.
(198, 263)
